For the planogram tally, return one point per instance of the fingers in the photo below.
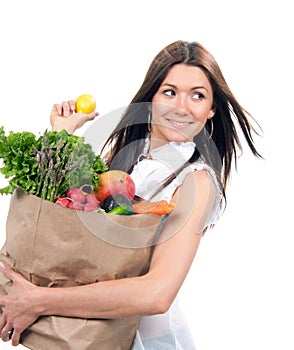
(2, 322)
(66, 108)
(8, 271)
(12, 335)
(83, 118)
(91, 116)
(15, 337)
(7, 332)
(72, 105)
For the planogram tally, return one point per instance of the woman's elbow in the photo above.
(162, 305)
(159, 302)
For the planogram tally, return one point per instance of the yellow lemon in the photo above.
(85, 104)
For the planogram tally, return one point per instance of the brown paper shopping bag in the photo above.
(55, 247)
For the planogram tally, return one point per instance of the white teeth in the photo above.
(179, 124)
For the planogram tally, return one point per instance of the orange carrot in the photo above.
(159, 207)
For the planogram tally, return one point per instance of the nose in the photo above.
(181, 106)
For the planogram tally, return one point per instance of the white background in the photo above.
(239, 292)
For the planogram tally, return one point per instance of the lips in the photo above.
(179, 124)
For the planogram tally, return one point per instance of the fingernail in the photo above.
(2, 266)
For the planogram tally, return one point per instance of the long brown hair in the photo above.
(219, 149)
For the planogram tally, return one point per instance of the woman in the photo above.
(178, 140)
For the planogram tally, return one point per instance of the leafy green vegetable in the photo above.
(19, 160)
(48, 165)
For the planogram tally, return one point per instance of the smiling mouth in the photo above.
(179, 124)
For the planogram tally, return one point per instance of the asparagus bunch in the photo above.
(54, 162)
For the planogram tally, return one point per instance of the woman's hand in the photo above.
(63, 116)
(18, 311)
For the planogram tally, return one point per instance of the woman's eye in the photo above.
(197, 95)
(169, 92)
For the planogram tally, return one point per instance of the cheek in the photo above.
(203, 114)
(159, 110)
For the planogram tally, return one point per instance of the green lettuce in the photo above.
(49, 164)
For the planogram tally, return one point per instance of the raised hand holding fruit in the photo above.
(63, 115)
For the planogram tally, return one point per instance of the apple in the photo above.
(115, 182)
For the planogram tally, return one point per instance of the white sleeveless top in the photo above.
(149, 174)
(167, 331)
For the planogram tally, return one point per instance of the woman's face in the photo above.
(182, 104)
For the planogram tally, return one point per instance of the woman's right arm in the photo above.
(63, 117)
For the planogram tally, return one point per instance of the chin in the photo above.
(179, 137)
(168, 134)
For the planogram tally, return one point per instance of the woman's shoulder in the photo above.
(200, 181)
(202, 176)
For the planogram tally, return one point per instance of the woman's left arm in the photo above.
(150, 294)
(181, 236)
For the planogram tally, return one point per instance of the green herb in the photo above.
(48, 165)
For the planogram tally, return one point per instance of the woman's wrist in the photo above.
(40, 301)
(59, 125)
(52, 301)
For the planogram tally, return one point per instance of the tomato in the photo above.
(85, 104)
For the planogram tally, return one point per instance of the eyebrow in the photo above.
(193, 88)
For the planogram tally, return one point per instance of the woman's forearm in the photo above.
(109, 299)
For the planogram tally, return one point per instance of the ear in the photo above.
(211, 112)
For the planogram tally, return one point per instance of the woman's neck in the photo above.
(155, 143)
